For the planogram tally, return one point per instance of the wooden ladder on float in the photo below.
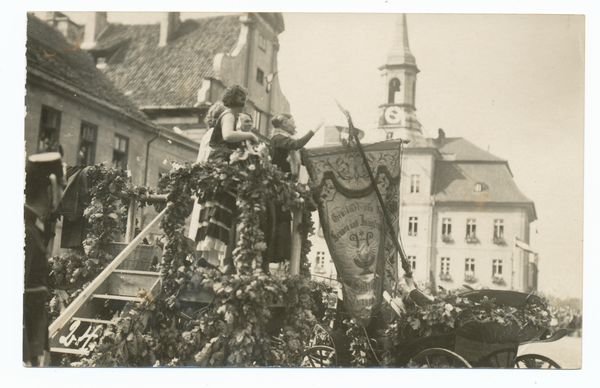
(78, 324)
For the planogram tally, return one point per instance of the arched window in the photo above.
(394, 88)
(414, 93)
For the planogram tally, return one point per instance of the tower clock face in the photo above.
(393, 115)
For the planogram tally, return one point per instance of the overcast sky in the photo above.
(513, 84)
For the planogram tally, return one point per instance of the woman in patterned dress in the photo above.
(215, 236)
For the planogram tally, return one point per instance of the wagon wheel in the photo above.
(535, 361)
(438, 358)
(319, 356)
(503, 358)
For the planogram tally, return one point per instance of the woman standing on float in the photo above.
(215, 237)
(286, 155)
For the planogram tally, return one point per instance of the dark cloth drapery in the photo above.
(72, 205)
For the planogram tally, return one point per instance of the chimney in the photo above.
(96, 22)
(169, 23)
(71, 31)
(441, 134)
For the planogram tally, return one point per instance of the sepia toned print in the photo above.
(417, 210)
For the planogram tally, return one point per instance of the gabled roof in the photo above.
(49, 53)
(457, 148)
(455, 182)
(168, 76)
(463, 166)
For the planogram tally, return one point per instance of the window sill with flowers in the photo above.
(470, 278)
(498, 280)
(445, 277)
(471, 239)
(498, 240)
(447, 238)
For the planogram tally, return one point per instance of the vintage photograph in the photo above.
(294, 189)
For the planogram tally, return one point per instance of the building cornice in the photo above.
(530, 206)
(400, 66)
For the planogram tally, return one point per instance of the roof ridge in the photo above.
(49, 52)
(169, 75)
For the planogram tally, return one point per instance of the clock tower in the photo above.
(399, 75)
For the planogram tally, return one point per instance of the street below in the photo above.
(567, 352)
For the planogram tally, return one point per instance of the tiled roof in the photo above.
(461, 149)
(50, 53)
(171, 75)
(455, 182)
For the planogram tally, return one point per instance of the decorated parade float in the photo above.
(141, 303)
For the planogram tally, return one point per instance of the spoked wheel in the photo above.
(503, 358)
(319, 356)
(438, 358)
(535, 361)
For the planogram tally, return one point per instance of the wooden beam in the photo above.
(118, 297)
(79, 352)
(130, 231)
(89, 290)
(91, 320)
(296, 247)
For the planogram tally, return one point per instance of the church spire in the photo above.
(400, 52)
(399, 74)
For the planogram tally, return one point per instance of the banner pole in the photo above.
(388, 221)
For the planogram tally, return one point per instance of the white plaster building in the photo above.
(461, 212)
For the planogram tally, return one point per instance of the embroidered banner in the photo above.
(353, 223)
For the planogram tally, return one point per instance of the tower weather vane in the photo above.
(353, 133)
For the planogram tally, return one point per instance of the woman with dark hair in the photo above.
(225, 139)
(286, 155)
(215, 235)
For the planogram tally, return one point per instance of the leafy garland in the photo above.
(234, 329)
(110, 192)
(450, 312)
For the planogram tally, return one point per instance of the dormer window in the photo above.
(262, 42)
(260, 76)
(101, 62)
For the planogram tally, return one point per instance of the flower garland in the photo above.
(110, 193)
(256, 319)
(236, 327)
(452, 312)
